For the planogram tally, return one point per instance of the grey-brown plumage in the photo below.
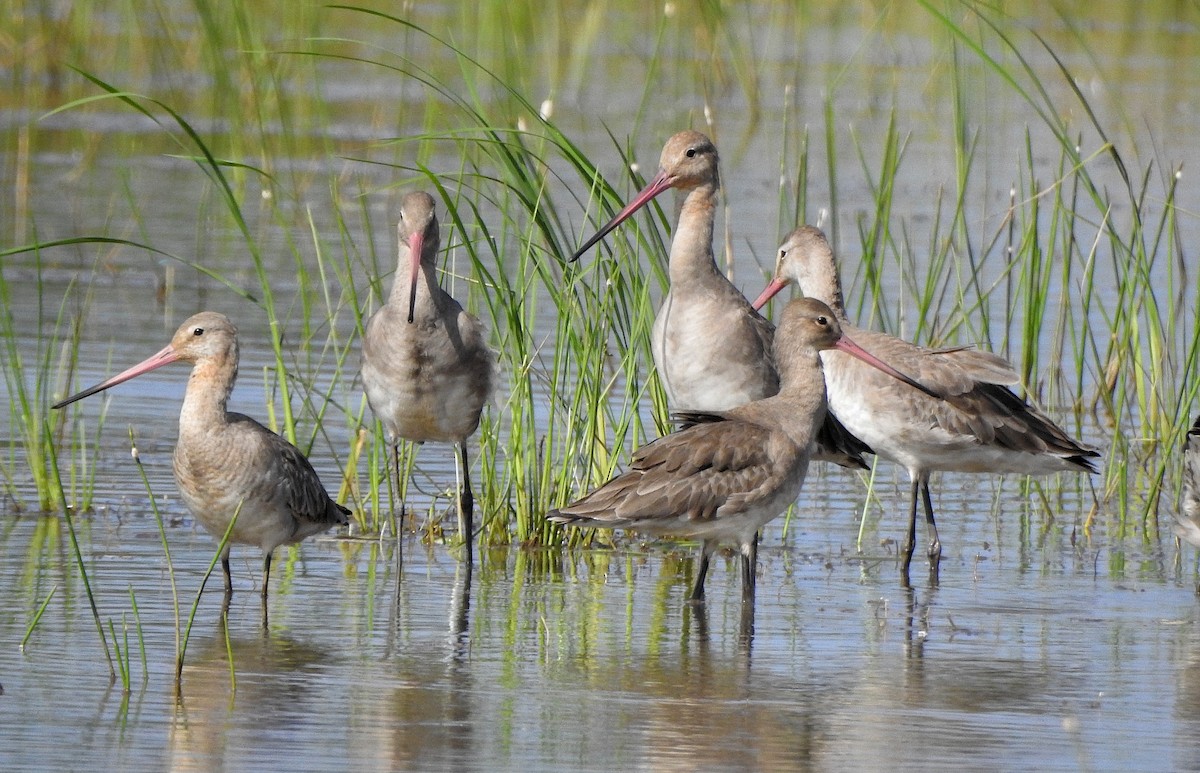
(1186, 524)
(426, 367)
(729, 473)
(227, 463)
(978, 425)
(712, 350)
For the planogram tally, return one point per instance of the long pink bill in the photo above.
(416, 243)
(660, 183)
(165, 357)
(854, 350)
(769, 292)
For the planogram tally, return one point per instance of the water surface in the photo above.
(583, 662)
(1058, 637)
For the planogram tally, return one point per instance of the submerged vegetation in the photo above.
(306, 120)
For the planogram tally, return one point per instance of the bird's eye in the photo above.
(198, 332)
(691, 153)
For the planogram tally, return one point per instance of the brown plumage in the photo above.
(729, 473)
(979, 425)
(224, 461)
(426, 367)
(712, 350)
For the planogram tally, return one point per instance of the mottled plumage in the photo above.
(979, 425)
(712, 350)
(727, 474)
(225, 460)
(426, 367)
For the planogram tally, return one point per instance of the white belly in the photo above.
(902, 425)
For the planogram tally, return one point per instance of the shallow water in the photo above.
(1058, 637)
(596, 660)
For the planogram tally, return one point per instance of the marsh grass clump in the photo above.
(31, 383)
(1097, 242)
(1077, 277)
(573, 387)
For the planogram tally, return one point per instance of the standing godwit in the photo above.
(1186, 524)
(978, 426)
(727, 475)
(426, 367)
(227, 463)
(712, 351)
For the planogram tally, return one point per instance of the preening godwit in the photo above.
(979, 425)
(712, 351)
(227, 463)
(426, 367)
(729, 473)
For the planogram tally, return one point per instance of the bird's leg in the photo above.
(266, 586)
(706, 549)
(935, 542)
(910, 540)
(749, 569)
(266, 576)
(228, 576)
(754, 553)
(466, 500)
(400, 516)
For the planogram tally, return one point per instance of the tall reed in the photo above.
(31, 384)
(1032, 281)
(1139, 365)
(558, 423)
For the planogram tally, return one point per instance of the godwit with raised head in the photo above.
(227, 463)
(426, 366)
(712, 351)
(1186, 524)
(979, 425)
(729, 473)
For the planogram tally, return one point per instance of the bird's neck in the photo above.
(429, 298)
(820, 280)
(691, 245)
(802, 386)
(208, 392)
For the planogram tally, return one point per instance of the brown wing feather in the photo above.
(948, 372)
(297, 483)
(977, 401)
(692, 472)
(994, 414)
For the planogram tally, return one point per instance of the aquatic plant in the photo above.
(1091, 304)
(31, 383)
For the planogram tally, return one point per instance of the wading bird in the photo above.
(729, 473)
(426, 367)
(978, 425)
(712, 351)
(227, 463)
